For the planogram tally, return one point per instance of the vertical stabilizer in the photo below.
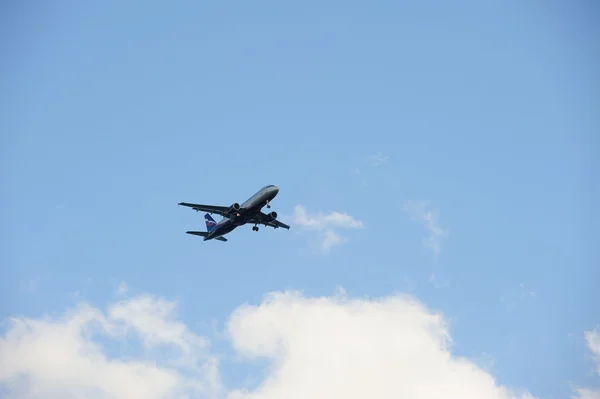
(210, 222)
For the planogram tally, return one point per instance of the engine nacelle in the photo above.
(273, 215)
(233, 208)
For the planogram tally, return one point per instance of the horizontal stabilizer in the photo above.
(204, 234)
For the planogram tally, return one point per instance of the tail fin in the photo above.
(210, 222)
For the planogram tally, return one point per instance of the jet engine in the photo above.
(273, 215)
(233, 208)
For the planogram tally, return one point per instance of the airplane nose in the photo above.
(275, 189)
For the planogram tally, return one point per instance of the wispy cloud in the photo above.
(29, 285)
(31, 282)
(525, 293)
(586, 393)
(326, 224)
(593, 343)
(420, 212)
(511, 300)
(362, 174)
(379, 159)
(122, 288)
(486, 361)
(361, 178)
(409, 284)
(437, 282)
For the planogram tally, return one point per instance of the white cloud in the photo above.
(326, 347)
(418, 210)
(154, 320)
(63, 358)
(335, 347)
(379, 159)
(593, 343)
(584, 393)
(326, 224)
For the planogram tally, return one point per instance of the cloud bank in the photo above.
(327, 225)
(335, 347)
(324, 347)
(67, 356)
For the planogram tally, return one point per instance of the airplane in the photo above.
(238, 215)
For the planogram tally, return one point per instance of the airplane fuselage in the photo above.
(248, 210)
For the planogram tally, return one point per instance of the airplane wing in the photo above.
(261, 218)
(219, 210)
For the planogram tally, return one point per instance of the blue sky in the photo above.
(483, 114)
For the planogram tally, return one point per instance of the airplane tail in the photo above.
(210, 222)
